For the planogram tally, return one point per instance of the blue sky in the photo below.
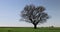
(10, 12)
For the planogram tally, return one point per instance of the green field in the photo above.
(29, 29)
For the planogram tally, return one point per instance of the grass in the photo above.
(29, 29)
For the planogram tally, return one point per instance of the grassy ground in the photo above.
(28, 29)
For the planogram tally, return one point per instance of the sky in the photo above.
(10, 12)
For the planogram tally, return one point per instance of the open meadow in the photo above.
(29, 29)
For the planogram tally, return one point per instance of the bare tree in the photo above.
(34, 15)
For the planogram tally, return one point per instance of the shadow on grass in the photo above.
(9, 30)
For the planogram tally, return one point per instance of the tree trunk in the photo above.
(35, 26)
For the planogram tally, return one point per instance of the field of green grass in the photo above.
(29, 29)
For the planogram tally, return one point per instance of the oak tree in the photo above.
(34, 15)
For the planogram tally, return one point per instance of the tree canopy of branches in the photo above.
(34, 15)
